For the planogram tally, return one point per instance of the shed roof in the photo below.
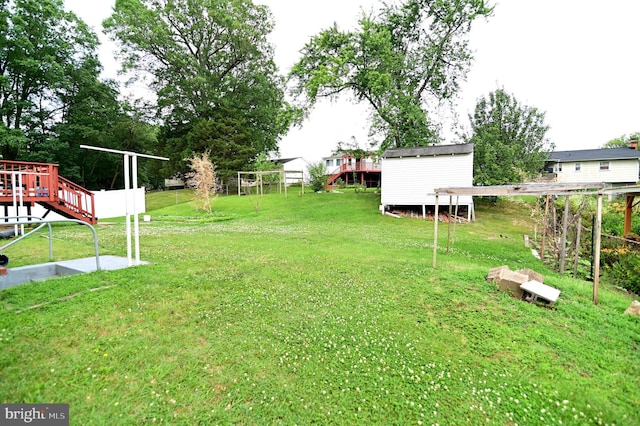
(425, 151)
(284, 160)
(594, 155)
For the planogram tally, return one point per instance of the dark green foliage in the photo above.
(509, 140)
(621, 258)
(399, 61)
(212, 69)
(44, 52)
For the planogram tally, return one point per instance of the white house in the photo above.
(411, 175)
(613, 166)
(296, 169)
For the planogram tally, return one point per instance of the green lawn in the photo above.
(313, 309)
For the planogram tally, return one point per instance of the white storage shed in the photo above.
(411, 175)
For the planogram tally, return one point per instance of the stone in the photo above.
(494, 272)
(533, 275)
(633, 309)
(511, 281)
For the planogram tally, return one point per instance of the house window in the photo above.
(558, 167)
(578, 167)
(604, 165)
(339, 162)
(329, 163)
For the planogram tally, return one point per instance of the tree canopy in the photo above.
(51, 96)
(211, 66)
(404, 61)
(509, 140)
(43, 50)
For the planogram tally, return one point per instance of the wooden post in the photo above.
(435, 234)
(578, 234)
(563, 238)
(544, 228)
(628, 211)
(596, 252)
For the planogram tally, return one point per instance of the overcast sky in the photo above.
(576, 60)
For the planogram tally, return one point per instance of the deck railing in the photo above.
(28, 182)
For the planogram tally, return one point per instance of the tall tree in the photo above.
(208, 59)
(409, 58)
(40, 47)
(509, 140)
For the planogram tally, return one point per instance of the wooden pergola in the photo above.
(597, 189)
(282, 174)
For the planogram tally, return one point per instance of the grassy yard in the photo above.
(313, 309)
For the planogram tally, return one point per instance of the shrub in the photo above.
(317, 176)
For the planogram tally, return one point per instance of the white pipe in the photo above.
(136, 228)
(21, 201)
(126, 207)
(15, 201)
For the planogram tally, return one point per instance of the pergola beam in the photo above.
(598, 189)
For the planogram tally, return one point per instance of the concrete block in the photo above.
(511, 281)
(494, 272)
(533, 275)
(633, 309)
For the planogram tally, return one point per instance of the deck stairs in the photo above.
(27, 183)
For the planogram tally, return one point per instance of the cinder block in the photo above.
(511, 281)
(633, 309)
(494, 272)
(533, 275)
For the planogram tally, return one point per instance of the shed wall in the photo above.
(412, 180)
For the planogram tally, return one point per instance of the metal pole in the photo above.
(449, 226)
(126, 207)
(136, 226)
(15, 201)
(21, 201)
(435, 234)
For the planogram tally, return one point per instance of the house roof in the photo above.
(425, 151)
(601, 154)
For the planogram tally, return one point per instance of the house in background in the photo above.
(411, 175)
(297, 169)
(612, 166)
(353, 168)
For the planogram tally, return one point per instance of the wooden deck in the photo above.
(27, 183)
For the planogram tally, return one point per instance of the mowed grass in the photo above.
(313, 309)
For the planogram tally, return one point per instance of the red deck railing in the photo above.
(29, 183)
(354, 167)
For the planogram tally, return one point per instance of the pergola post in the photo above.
(596, 252)
(628, 211)
(563, 238)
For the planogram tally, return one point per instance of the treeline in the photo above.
(216, 88)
